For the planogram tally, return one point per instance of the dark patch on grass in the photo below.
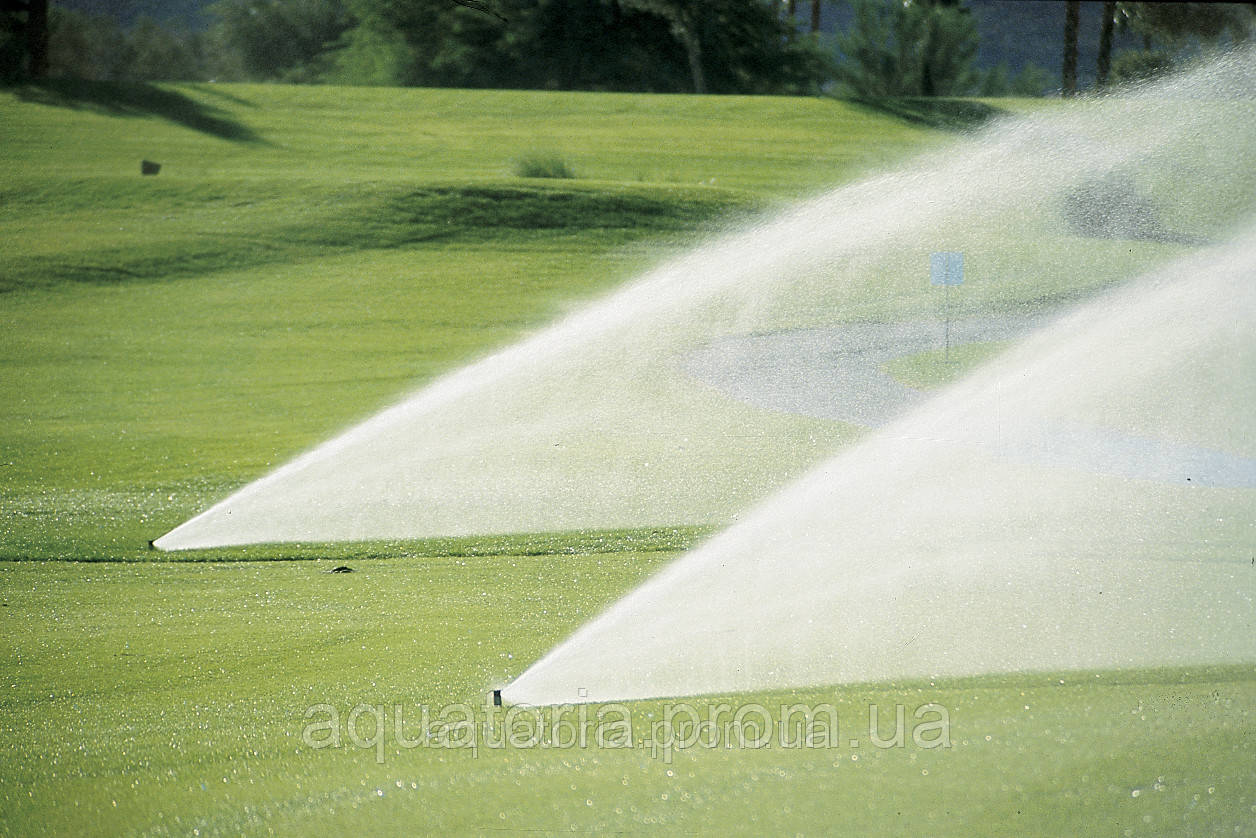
(465, 209)
(216, 91)
(943, 114)
(135, 99)
(160, 260)
(1114, 207)
(380, 219)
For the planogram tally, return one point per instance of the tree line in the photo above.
(889, 47)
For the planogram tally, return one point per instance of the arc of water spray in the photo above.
(659, 299)
(924, 551)
(566, 429)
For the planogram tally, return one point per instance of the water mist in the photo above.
(613, 417)
(970, 537)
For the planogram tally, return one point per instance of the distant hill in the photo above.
(1013, 32)
(183, 14)
(1018, 32)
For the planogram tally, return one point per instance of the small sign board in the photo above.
(946, 268)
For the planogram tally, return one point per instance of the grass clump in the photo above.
(543, 164)
(934, 368)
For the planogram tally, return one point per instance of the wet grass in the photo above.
(167, 698)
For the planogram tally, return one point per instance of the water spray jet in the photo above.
(644, 444)
(940, 545)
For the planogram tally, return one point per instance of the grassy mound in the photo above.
(170, 231)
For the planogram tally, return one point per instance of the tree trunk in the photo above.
(693, 50)
(815, 15)
(927, 87)
(1105, 41)
(791, 9)
(35, 34)
(1072, 12)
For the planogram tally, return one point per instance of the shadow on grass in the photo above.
(211, 89)
(136, 99)
(944, 114)
(340, 220)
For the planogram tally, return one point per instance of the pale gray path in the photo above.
(835, 373)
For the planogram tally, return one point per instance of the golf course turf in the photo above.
(306, 256)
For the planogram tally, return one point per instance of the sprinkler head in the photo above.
(497, 698)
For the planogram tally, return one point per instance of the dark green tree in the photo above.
(721, 46)
(908, 49)
(159, 53)
(1141, 65)
(747, 49)
(1181, 26)
(948, 49)
(683, 19)
(96, 48)
(561, 44)
(92, 47)
(1032, 80)
(23, 39)
(1173, 32)
(289, 40)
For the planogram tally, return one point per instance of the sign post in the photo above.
(946, 268)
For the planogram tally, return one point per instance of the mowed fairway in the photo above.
(309, 255)
(306, 256)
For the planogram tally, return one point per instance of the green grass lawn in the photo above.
(308, 254)
(171, 697)
(140, 312)
(934, 368)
